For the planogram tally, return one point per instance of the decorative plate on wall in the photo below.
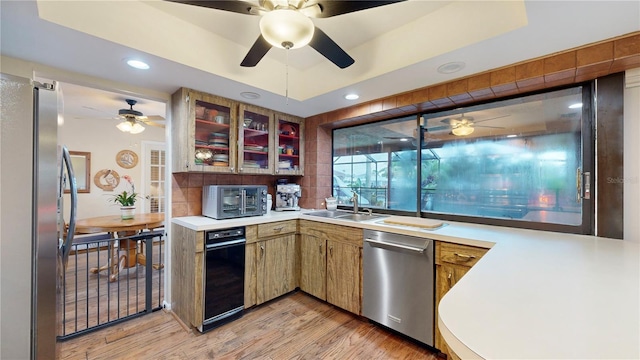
(106, 179)
(127, 159)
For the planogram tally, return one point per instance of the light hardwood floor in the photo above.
(295, 326)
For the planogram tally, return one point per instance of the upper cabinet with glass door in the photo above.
(255, 145)
(202, 128)
(289, 145)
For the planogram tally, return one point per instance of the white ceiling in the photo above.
(397, 48)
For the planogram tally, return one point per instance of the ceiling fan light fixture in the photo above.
(136, 128)
(130, 126)
(463, 130)
(124, 126)
(286, 28)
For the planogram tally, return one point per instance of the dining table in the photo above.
(128, 254)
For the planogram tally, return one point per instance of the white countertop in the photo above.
(534, 295)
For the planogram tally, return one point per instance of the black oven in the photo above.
(223, 277)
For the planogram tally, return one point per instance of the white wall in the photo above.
(103, 140)
(632, 155)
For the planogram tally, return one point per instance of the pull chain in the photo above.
(287, 45)
(286, 92)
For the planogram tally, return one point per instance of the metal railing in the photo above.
(101, 287)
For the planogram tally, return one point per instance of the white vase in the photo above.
(126, 212)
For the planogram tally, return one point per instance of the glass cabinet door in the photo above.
(255, 147)
(214, 139)
(289, 145)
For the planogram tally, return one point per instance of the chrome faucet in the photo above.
(355, 202)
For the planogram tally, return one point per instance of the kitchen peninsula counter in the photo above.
(535, 294)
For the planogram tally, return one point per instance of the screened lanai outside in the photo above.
(518, 160)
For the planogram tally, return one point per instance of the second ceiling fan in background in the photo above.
(286, 24)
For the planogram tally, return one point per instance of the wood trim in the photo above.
(610, 145)
(584, 63)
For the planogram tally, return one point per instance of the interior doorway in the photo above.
(153, 178)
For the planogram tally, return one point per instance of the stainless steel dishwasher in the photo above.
(399, 283)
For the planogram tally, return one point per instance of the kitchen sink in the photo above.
(344, 215)
(361, 217)
(327, 213)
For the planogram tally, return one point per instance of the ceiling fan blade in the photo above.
(335, 8)
(488, 127)
(493, 118)
(153, 123)
(155, 117)
(323, 44)
(236, 6)
(313, 11)
(437, 128)
(256, 53)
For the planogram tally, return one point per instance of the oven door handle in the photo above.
(225, 244)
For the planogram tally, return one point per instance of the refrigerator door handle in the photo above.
(73, 186)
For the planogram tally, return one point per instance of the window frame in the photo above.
(588, 156)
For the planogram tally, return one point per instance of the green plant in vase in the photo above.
(126, 200)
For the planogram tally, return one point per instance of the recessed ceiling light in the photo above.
(575, 106)
(512, 136)
(138, 64)
(352, 96)
(451, 67)
(404, 139)
(250, 95)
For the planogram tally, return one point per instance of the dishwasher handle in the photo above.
(397, 246)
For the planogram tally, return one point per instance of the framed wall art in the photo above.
(127, 159)
(107, 179)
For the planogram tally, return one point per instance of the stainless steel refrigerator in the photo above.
(33, 243)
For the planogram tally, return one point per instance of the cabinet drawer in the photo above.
(345, 234)
(277, 228)
(458, 254)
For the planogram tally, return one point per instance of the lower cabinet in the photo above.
(331, 264)
(313, 265)
(270, 261)
(275, 260)
(250, 275)
(344, 266)
(453, 261)
(187, 265)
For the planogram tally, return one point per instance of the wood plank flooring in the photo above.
(295, 326)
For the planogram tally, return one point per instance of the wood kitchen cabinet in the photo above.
(331, 263)
(203, 132)
(275, 254)
(453, 261)
(187, 283)
(218, 135)
(313, 265)
(256, 148)
(344, 264)
(289, 145)
(250, 269)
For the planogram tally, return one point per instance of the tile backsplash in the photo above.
(186, 188)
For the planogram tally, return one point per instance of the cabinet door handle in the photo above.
(278, 229)
(262, 249)
(320, 248)
(449, 277)
(465, 257)
(330, 250)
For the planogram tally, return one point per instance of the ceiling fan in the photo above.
(286, 24)
(463, 125)
(132, 120)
